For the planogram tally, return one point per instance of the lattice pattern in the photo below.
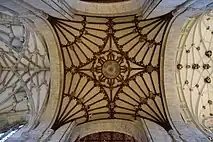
(13, 35)
(24, 70)
(194, 70)
(107, 137)
(112, 68)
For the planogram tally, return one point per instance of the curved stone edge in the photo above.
(117, 8)
(166, 79)
(56, 68)
(134, 129)
(106, 9)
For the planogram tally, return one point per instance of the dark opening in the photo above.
(107, 137)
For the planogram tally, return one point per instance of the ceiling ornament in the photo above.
(24, 70)
(111, 68)
(194, 71)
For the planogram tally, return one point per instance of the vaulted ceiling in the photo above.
(112, 65)
(194, 69)
(24, 71)
(111, 68)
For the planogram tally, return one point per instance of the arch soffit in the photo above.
(56, 67)
(134, 129)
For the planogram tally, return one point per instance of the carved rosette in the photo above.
(111, 69)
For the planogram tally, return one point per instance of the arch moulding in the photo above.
(134, 129)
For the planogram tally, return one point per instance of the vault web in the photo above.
(112, 68)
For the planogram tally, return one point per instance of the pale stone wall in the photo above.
(157, 133)
(105, 9)
(8, 120)
(63, 133)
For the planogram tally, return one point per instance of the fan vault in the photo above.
(111, 68)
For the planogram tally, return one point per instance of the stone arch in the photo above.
(134, 129)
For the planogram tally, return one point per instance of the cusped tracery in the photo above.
(111, 69)
(194, 70)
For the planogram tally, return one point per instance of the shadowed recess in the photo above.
(107, 137)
